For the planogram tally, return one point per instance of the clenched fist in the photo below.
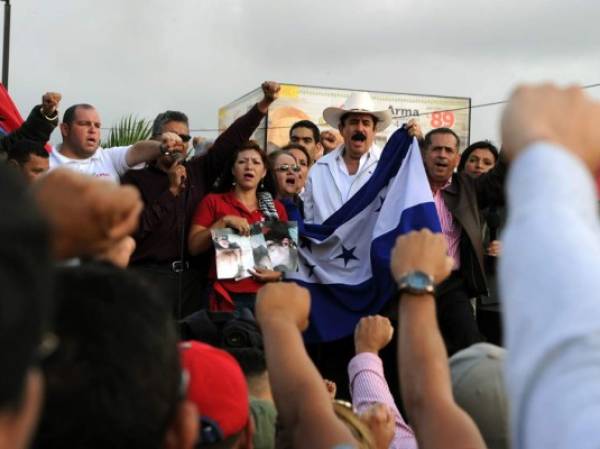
(372, 333)
(422, 251)
(270, 94)
(565, 117)
(50, 102)
(87, 215)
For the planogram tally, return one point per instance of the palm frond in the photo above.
(128, 130)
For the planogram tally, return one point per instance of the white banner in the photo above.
(298, 102)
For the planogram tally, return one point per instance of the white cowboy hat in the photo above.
(360, 102)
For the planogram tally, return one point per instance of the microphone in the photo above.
(493, 222)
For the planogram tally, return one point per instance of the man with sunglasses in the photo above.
(171, 188)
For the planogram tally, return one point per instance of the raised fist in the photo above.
(565, 117)
(414, 129)
(422, 251)
(88, 216)
(271, 90)
(372, 333)
(50, 102)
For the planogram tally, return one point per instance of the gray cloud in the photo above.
(144, 56)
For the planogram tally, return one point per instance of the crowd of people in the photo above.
(117, 332)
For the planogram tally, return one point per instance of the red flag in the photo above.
(10, 119)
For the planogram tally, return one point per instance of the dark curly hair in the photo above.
(226, 181)
(482, 144)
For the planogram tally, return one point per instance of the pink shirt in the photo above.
(368, 387)
(450, 229)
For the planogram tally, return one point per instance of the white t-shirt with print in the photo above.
(108, 163)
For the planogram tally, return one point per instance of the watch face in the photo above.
(418, 281)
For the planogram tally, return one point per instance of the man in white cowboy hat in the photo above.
(341, 173)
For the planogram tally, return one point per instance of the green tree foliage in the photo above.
(127, 131)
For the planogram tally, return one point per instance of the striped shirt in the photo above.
(450, 229)
(368, 387)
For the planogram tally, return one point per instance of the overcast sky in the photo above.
(145, 56)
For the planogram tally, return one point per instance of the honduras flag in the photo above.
(345, 262)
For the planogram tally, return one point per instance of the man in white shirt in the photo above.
(81, 151)
(337, 176)
(549, 279)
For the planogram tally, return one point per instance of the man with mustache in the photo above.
(341, 173)
(332, 181)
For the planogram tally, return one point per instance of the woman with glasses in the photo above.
(244, 197)
(303, 160)
(286, 174)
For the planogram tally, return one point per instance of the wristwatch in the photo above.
(416, 283)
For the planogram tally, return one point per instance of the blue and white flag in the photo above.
(345, 262)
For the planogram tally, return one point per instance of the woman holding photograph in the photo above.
(244, 197)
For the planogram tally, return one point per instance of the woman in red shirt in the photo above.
(244, 197)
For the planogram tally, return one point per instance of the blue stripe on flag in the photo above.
(337, 308)
(345, 261)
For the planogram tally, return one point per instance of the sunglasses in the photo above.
(288, 167)
(185, 137)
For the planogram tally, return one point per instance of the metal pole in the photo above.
(6, 43)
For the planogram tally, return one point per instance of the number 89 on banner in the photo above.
(443, 119)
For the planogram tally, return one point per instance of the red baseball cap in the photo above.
(216, 386)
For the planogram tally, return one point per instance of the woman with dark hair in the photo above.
(477, 159)
(244, 197)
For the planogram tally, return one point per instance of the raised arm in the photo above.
(39, 124)
(368, 384)
(303, 404)
(551, 258)
(423, 362)
(236, 134)
(148, 150)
